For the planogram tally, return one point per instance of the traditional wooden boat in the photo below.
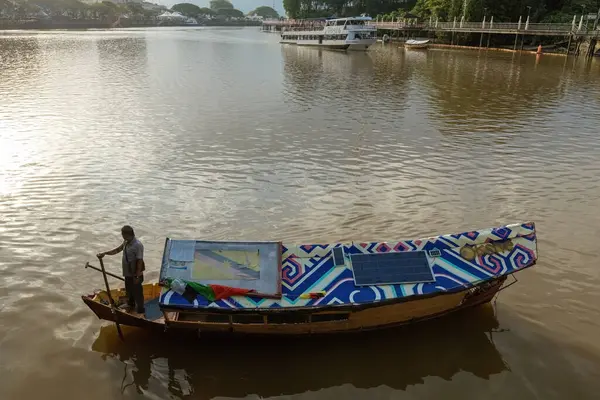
(272, 288)
(416, 44)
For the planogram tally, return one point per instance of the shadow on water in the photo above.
(237, 367)
(19, 60)
(128, 54)
(469, 91)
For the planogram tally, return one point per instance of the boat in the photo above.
(416, 44)
(271, 288)
(353, 33)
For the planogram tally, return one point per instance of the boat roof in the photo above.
(359, 18)
(456, 262)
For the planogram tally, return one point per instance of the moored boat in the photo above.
(339, 34)
(277, 289)
(416, 44)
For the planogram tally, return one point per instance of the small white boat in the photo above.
(416, 44)
(341, 33)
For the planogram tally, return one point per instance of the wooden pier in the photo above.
(576, 30)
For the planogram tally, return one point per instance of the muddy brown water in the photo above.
(225, 134)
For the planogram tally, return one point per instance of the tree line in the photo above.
(223, 8)
(72, 9)
(107, 10)
(445, 10)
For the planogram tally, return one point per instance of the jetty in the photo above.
(581, 29)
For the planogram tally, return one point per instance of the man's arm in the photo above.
(111, 252)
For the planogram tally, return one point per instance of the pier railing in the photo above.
(521, 27)
(511, 27)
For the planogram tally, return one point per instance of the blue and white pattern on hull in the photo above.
(464, 260)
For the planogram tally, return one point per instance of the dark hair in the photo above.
(127, 230)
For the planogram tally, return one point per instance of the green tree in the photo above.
(135, 8)
(292, 8)
(230, 13)
(207, 11)
(265, 12)
(220, 5)
(188, 9)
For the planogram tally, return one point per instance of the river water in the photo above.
(225, 134)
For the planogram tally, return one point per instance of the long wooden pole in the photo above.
(113, 307)
(87, 265)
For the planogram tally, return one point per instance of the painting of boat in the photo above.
(416, 44)
(272, 288)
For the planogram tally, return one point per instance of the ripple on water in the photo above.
(225, 134)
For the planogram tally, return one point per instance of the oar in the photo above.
(87, 265)
(113, 307)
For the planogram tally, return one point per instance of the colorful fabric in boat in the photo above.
(190, 290)
(310, 268)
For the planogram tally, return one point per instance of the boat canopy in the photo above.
(255, 266)
(345, 274)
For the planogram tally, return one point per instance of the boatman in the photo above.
(133, 268)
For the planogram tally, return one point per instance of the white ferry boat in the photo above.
(353, 33)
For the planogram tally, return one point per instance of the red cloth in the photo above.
(223, 292)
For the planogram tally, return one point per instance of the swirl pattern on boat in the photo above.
(309, 268)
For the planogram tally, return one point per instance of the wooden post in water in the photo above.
(522, 41)
(569, 45)
(517, 34)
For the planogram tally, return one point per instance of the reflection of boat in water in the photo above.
(338, 64)
(461, 343)
(416, 44)
(324, 288)
(338, 34)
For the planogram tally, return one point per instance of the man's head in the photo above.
(127, 233)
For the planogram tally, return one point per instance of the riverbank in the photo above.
(49, 24)
(550, 49)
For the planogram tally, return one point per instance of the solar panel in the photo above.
(338, 256)
(391, 268)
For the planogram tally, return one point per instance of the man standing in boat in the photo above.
(133, 267)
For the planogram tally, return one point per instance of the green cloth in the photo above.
(203, 290)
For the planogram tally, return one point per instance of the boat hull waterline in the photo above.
(376, 316)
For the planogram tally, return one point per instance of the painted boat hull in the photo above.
(359, 318)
